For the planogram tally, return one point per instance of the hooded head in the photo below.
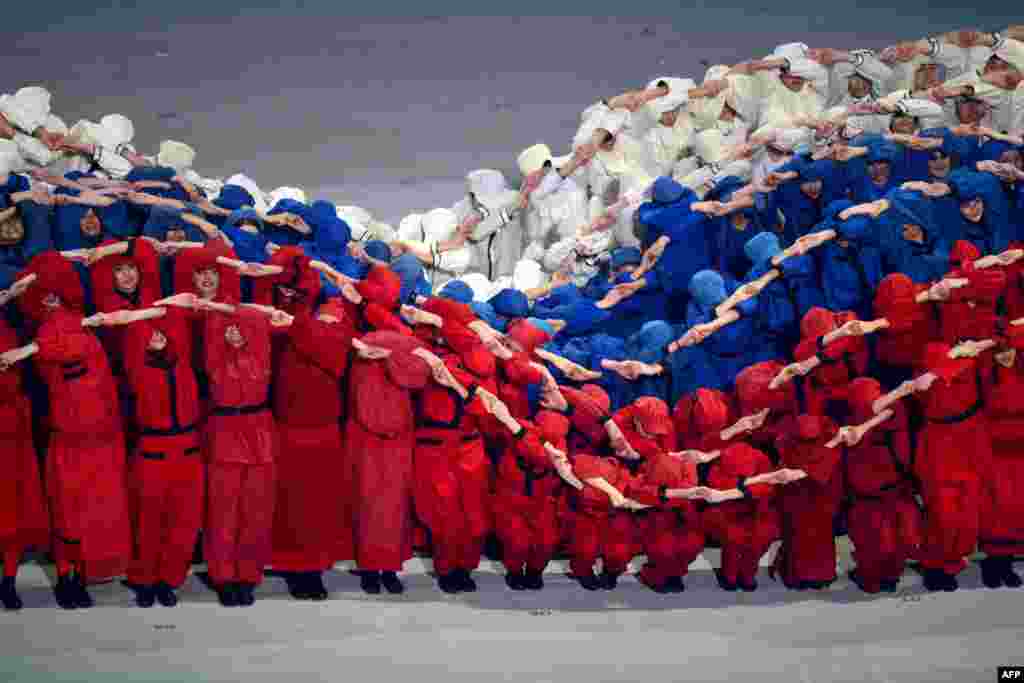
(963, 255)
(410, 274)
(653, 415)
(457, 290)
(297, 287)
(817, 322)
(667, 191)
(761, 248)
(528, 336)
(754, 393)
(195, 270)
(625, 256)
(908, 208)
(233, 197)
(510, 303)
(382, 286)
(56, 276)
(649, 343)
(553, 427)
(708, 288)
(701, 413)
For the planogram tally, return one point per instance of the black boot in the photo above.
(723, 583)
(82, 598)
(533, 580)
(747, 586)
(890, 585)
(466, 582)
(935, 580)
(145, 596)
(609, 581)
(64, 591)
(165, 595)
(298, 585)
(992, 571)
(370, 582)
(392, 584)
(589, 582)
(515, 581)
(675, 584)
(316, 589)
(855, 577)
(246, 594)
(449, 583)
(228, 595)
(9, 594)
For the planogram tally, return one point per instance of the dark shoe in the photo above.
(723, 583)
(466, 582)
(1011, 578)
(228, 595)
(316, 590)
(64, 591)
(449, 583)
(747, 586)
(609, 581)
(370, 582)
(533, 580)
(165, 595)
(392, 584)
(145, 596)
(298, 585)
(9, 594)
(246, 595)
(675, 584)
(934, 579)
(951, 583)
(82, 598)
(590, 582)
(992, 571)
(515, 581)
(855, 577)
(890, 586)
(662, 588)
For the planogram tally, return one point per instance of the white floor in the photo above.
(562, 633)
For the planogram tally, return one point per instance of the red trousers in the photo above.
(24, 521)
(885, 534)
(744, 536)
(952, 522)
(239, 517)
(307, 524)
(166, 493)
(86, 484)
(451, 496)
(607, 534)
(671, 543)
(808, 551)
(1002, 505)
(528, 528)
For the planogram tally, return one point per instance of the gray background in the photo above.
(390, 112)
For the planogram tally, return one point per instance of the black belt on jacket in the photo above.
(177, 431)
(432, 441)
(222, 411)
(150, 455)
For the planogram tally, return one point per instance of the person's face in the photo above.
(794, 83)
(1006, 357)
(939, 165)
(739, 221)
(608, 142)
(858, 87)
(970, 112)
(903, 125)
(51, 301)
(206, 281)
(812, 189)
(234, 336)
(926, 76)
(879, 171)
(669, 118)
(913, 233)
(973, 210)
(90, 224)
(126, 278)
(175, 235)
(157, 342)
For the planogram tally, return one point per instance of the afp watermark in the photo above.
(1011, 673)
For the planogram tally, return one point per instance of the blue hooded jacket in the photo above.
(850, 264)
(921, 262)
(14, 258)
(992, 233)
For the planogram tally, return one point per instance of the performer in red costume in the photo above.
(379, 442)
(883, 519)
(807, 558)
(912, 324)
(839, 362)
(970, 310)
(241, 449)
(1002, 511)
(85, 461)
(23, 514)
(307, 406)
(166, 478)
